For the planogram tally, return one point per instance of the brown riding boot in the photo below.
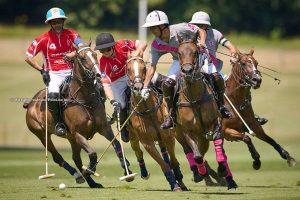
(168, 88)
(219, 87)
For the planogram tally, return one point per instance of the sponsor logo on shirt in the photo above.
(115, 68)
(52, 46)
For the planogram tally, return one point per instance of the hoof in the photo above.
(231, 184)
(145, 177)
(209, 182)
(197, 178)
(79, 178)
(222, 171)
(291, 162)
(177, 188)
(96, 185)
(256, 164)
(183, 187)
(222, 182)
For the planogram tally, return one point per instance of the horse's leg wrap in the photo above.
(68, 167)
(177, 173)
(93, 161)
(165, 155)
(171, 179)
(221, 157)
(168, 88)
(143, 169)
(120, 156)
(220, 153)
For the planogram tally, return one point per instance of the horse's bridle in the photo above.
(136, 79)
(195, 64)
(240, 75)
(88, 72)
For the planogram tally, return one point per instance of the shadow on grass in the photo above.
(265, 186)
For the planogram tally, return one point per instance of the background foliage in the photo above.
(271, 18)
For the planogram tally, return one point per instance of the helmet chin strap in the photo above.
(161, 31)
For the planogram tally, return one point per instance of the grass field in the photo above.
(275, 180)
(19, 169)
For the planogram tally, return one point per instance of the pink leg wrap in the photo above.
(190, 158)
(220, 154)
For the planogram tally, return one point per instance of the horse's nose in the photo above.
(138, 86)
(187, 68)
(256, 82)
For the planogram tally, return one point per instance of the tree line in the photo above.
(271, 18)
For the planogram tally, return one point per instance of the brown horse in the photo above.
(243, 76)
(145, 127)
(198, 114)
(84, 115)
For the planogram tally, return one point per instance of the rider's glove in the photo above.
(46, 77)
(234, 57)
(145, 93)
(116, 105)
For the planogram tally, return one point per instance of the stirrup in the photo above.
(168, 123)
(60, 129)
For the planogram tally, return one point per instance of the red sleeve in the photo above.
(104, 71)
(36, 45)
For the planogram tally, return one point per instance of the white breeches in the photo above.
(57, 78)
(118, 88)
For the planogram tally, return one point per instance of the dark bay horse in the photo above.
(197, 111)
(84, 115)
(244, 76)
(145, 127)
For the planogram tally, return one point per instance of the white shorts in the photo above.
(118, 88)
(57, 78)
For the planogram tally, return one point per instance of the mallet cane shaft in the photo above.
(238, 114)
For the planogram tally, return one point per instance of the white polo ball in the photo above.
(62, 186)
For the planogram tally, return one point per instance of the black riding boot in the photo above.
(260, 120)
(219, 87)
(53, 106)
(168, 88)
(124, 131)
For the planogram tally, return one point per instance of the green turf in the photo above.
(275, 180)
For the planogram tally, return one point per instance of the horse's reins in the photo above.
(267, 68)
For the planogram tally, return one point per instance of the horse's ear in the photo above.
(90, 42)
(251, 52)
(179, 38)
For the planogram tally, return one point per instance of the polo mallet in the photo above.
(128, 176)
(118, 133)
(238, 114)
(46, 138)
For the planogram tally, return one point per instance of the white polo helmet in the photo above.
(156, 18)
(200, 18)
(55, 13)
